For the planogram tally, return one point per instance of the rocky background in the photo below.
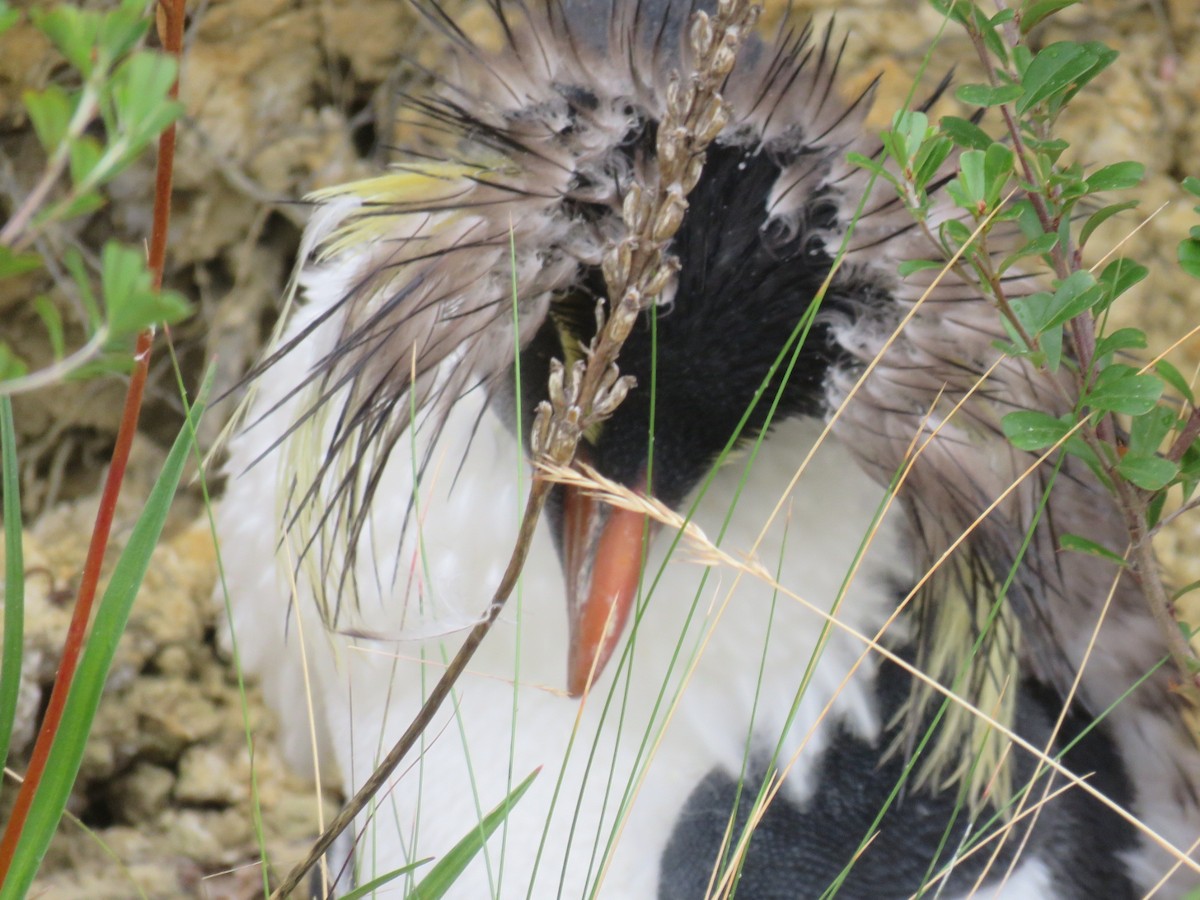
(285, 96)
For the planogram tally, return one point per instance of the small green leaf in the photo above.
(124, 279)
(986, 95)
(865, 162)
(929, 159)
(1190, 465)
(1016, 346)
(1172, 376)
(1033, 311)
(13, 263)
(1033, 430)
(954, 234)
(1191, 184)
(1060, 69)
(1147, 431)
(131, 303)
(965, 133)
(997, 167)
(908, 132)
(988, 30)
(1117, 177)
(1022, 56)
(1075, 294)
(1151, 473)
(73, 31)
(1098, 218)
(1120, 389)
(1154, 508)
(1077, 544)
(1037, 12)
(139, 90)
(875, 167)
(1048, 152)
(50, 112)
(1069, 183)
(1105, 57)
(1188, 487)
(120, 30)
(1027, 219)
(971, 180)
(1039, 246)
(1052, 71)
(909, 266)
(1121, 339)
(1119, 276)
(957, 10)
(1189, 256)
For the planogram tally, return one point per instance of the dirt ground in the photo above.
(282, 97)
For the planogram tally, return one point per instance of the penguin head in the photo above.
(495, 240)
(741, 341)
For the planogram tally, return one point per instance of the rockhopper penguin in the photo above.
(831, 427)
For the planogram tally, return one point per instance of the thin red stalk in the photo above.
(171, 34)
(73, 646)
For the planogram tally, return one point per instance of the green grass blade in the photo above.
(443, 875)
(66, 753)
(14, 580)
(376, 883)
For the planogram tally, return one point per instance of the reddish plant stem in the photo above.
(171, 33)
(73, 645)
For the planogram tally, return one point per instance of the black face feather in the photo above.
(743, 323)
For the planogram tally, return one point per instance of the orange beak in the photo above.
(602, 558)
